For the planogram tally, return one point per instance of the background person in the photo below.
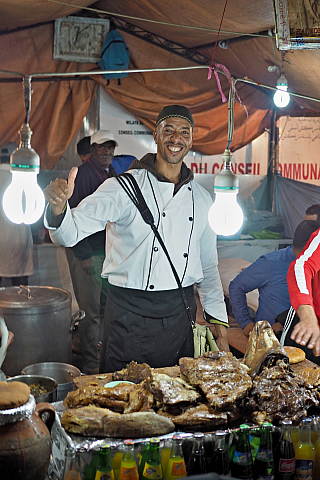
(84, 148)
(313, 213)
(146, 320)
(269, 275)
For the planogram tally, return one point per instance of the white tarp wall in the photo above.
(299, 149)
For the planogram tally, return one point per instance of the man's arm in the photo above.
(255, 276)
(300, 275)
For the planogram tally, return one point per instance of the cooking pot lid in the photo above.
(33, 296)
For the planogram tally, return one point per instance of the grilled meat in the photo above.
(277, 394)
(220, 376)
(115, 398)
(140, 399)
(170, 391)
(198, 417)
(263, 349)
(133, 372)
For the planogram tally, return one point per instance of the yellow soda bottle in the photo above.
(128, 466)
(305, 452)
(316, 472)
(165, 454)
(295, 435)
(176, 467)
(116, 462)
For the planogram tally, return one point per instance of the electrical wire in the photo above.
(80, 7)
(89, 73)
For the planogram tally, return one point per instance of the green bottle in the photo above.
(90, 469)
(104, 468)
(152, 468)
(145, 447)
(263, 467)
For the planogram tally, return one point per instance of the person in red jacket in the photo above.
(304, 288)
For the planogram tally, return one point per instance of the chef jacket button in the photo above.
(191, 219)
(185, 255)
(163, 214)
(156, 249)
(151, 287)
(189, 188)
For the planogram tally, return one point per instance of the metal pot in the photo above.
(48, 383)
(61, 372)
(40, 318)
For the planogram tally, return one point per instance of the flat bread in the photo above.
(296, 355)
(13, 394)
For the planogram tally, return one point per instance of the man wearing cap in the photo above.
(86, 258)
(145, 319)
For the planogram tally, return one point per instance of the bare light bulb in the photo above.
(23, 201)
(225, 215)
(281, 97)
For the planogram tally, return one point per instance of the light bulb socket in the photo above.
(226, 180)
(282, 82)
(25, 158)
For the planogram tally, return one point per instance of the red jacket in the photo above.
(304, 276)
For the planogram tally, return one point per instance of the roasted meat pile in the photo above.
(201, 394)
(277, 392)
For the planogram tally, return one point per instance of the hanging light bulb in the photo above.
(23, 201)
(225, 216)
(281, 97)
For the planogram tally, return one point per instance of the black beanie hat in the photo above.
(175, 111)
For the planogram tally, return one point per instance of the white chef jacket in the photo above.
(134, 257)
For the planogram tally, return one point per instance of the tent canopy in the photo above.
(58, 107)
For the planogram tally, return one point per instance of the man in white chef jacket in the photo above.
(145, 317)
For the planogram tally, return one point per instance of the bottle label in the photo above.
(104, 475)
(304, 469)
(154, 472)
(287, 465)
(178, 469)
(242, 458)
(129, 473)
(264, 455)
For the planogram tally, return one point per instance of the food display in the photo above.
(201, 394)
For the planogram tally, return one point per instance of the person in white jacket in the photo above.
(146, 319)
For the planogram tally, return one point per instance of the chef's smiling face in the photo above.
(103, 153)
(173, 137)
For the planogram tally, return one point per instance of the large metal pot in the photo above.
(40, 318)
(61, 372)
(50, 384)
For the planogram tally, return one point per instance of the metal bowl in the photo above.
(48, 383)
(63, 373)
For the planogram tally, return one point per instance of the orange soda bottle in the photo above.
(128, 466)
(305, 452)
(316, 472)
(176, 467)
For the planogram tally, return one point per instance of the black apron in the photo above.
(147, 327)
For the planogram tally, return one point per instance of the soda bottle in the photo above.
(209, 446)
(284, 455)
(197, 460)
(145, 447)
(71, 469)
(305, 452)
(104, 469)
(152, 468)
(242, 464)
(316, 472)
(176, 467)
(263, 467)
(128, 466)
(90, 469)
(165, 453)
(116, 462)
(220, 463)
